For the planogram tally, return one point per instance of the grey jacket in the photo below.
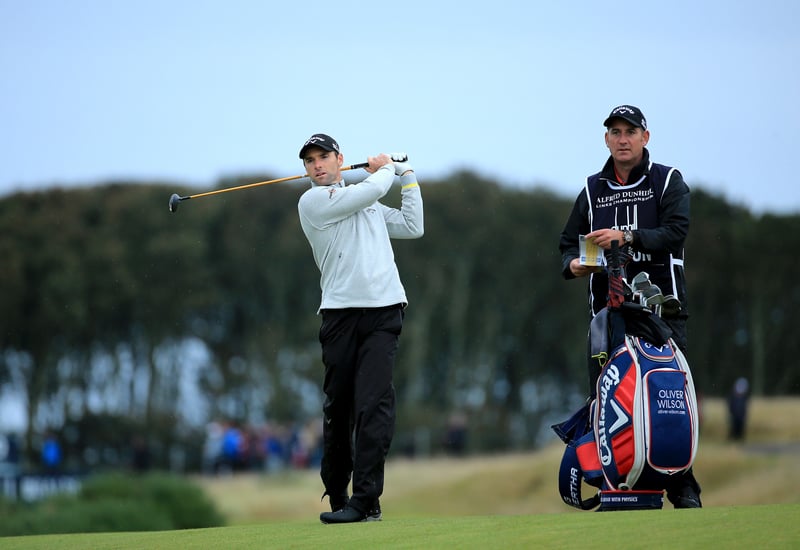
(349, 232)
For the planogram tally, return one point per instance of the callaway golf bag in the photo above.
(641, 426)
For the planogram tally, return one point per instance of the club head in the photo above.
(652, 296)
(174, 200)
(671, 305)
(627, 289)
(641, 281)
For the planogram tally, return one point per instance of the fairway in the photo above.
(750, 497)
(765, 526)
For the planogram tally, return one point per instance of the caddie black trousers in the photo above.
(359, 347)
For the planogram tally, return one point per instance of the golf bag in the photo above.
(642, 426)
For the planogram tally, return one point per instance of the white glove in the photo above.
(400, 164)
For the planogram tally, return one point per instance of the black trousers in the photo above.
(359, 347)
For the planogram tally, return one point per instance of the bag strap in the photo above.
(576, 426)
(580, 462)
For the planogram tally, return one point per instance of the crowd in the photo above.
(271, 447)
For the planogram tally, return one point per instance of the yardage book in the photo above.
(591, 254)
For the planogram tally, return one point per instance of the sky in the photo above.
(194, 91)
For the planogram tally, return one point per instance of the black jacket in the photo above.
(659, 234)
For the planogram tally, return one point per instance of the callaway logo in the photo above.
(624, 110)
(313, 140)
(648, 346)
(610, 379)
(621, 420)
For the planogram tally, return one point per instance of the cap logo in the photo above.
(322, 141)
(629, 113)
(314, 140)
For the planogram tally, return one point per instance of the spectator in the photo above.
(737, 407)
(455, 441)
(141, 454)
(51, 455)
(232, 445)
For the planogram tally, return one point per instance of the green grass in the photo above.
(764, 526)
(731, 474)
(750, 497)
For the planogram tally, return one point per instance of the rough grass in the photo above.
(762, 470)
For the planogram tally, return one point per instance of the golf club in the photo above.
(671, 305)
(175, 199)
(641, 281)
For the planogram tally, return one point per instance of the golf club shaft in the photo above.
(257, 184)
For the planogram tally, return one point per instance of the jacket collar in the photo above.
(340, 183)
(637, 174)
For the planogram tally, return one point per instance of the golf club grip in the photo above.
(615, 290)
(365, 164)
(613, 258)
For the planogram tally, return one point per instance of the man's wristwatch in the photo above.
(627, 236)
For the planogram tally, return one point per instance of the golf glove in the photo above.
(400, 164)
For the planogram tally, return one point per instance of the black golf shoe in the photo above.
(337, 501)
(688, 498)
(348, 514)
(375, 513)
(337, 505)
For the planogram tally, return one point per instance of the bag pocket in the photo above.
(670, 423)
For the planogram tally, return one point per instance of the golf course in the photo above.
(750, 499)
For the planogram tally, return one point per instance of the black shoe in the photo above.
(687, 499)
(337, 503)
(348, 514)
(374, 513)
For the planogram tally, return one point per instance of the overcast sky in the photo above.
(191, 91)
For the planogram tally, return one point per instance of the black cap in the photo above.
(322, 141)
(628, 113)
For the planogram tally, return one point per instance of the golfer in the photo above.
(363, 303)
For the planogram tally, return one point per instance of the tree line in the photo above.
(118, 316)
